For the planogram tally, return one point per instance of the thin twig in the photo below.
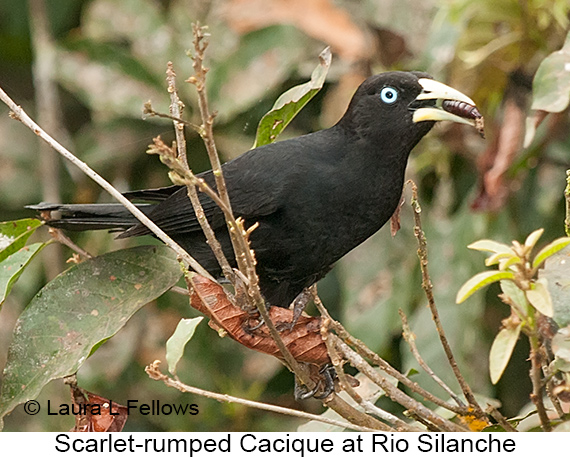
(367, 406)
(199, 80)
(392, 391)
(365, 352)
(19, 114)
(411, 340)
(536, 379)
(428, 289)
(180, 290)
(176, 107)
(148, 109)
(154, 372)
(62, 238)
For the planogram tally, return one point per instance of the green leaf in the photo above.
(517, 296)
(501, 351)
(12, 267)
(79, 308)
(539, 297)
(481, 280)
(499, 256)
(549, 250)
(532, 239)
(551, 84)
(508, 262)
(14, 234)
(291, 102)
(177, 342)
(491, 246)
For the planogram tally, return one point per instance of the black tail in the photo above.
(103, 216)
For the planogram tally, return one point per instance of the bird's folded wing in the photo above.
(250, 197)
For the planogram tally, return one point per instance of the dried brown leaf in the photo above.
(304, 340)
(96, 413)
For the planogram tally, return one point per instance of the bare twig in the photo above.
(148, 109)
(19, 114)
(62, 238)
(176, 107)
(367, 406)
(428, 289)
(536, 379)
(392, 391)
(154, 372)
(411, 340)
(365, 352)
(199, 80)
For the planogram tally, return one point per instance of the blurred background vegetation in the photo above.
(107, 57)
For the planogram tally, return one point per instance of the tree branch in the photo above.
(154, 372)
(428, 289)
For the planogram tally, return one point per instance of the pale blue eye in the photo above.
(388, 95)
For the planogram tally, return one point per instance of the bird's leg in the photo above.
(260, 324)
(299, 305)
(328, 376)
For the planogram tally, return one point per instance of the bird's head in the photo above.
(399, 108)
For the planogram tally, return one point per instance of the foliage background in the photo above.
(111, 58)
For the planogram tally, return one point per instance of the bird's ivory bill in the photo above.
(434, 90)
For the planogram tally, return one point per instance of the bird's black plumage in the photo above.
(315, 197)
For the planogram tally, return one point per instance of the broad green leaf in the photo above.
(177, 342)
(491, 246)
(556, 271)
(532, 239)
(12, 267)
(14, 234)
(508, 262)
(551, 84)
(481, 280)
(84, 305)
(291, 102)
(549, 250)
(496, 258)
(539, 297)
(501, 351)
(517, 296)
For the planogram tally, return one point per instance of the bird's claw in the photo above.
(328, 376)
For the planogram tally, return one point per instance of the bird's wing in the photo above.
(252, 185)
(152, 195)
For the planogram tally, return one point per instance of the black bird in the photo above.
(315, 197)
